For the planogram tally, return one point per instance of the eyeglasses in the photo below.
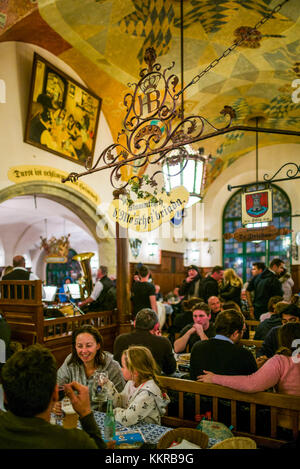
(285, 321)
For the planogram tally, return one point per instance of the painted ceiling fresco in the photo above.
(104, 41)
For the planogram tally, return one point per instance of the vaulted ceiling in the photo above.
(104, 41)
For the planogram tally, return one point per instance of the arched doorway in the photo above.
(240, 256)
(74, 201)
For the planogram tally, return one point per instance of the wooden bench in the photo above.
(282, 410)
(22, 307)
(252, 325)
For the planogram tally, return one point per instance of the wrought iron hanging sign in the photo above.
(257, 206)
(144, 214)
(152, 129)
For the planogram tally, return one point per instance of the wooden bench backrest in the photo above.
(284, 409)
(252, 325)
(22, 307)
(58, 331)
(251, 343)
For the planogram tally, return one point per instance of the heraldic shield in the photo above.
(257, 204)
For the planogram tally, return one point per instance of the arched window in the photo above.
(240, 256)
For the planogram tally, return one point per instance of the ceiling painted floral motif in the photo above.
(104, 41)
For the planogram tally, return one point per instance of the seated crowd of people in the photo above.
(209, 322)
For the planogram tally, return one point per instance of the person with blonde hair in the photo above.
(232, 287)
(142, 400)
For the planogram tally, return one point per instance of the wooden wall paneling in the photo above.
(295, 272)
(169, 273)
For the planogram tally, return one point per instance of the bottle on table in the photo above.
(109, 422)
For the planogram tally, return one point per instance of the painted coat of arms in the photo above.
(257, 207)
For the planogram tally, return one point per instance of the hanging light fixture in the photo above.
(189, 169)
(190, 172)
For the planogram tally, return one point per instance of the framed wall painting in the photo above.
(62, 115)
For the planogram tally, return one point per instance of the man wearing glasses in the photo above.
(270, 345)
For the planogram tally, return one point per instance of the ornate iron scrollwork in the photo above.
(292, 172)
(152, 128)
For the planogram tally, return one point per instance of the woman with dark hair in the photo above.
(281, 371)
(87, 358)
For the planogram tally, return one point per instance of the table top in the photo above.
(151, 432)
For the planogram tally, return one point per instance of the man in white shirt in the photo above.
(98, 299)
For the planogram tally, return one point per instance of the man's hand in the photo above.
(189, 279)
(79, 397)
(206, 378)
(198, 329)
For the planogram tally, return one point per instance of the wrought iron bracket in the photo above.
(292, 172)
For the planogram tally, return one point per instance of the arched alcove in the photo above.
(86, 210)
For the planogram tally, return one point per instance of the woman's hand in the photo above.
(206, 377)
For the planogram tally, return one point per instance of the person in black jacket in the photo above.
(191, 286)
(210, 285)
(222, 354)
(271, 342)
(274, 320)
(146, 333)
(19, 271)
(266, 286)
